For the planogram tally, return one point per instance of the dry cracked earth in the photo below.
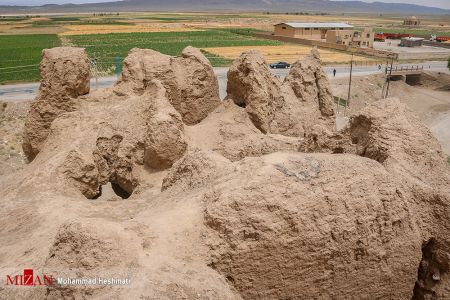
(254, 197)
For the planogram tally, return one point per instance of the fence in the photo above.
(30, 72)
(405, 68)
(341, 105)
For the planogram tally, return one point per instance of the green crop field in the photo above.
(20, 56)
(105, 47)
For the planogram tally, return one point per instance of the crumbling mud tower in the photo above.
(64, 77)
(253, 197)
(291, 107)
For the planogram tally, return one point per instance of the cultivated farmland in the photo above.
(287, 52)
(222, 37)
(106, 47)
(20, 55)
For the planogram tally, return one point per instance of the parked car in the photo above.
(280, 65)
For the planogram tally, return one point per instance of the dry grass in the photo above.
(26, 28)
(289, 53)
(139, 27)
(10, 27)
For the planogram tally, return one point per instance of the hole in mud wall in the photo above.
(338, 150)
(429, 274)
(241, 104)
(111, 192)
(230, 279)
(99, 193)
(120, 191)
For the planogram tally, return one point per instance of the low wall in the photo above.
(283, 38)
(363, 51)
(436, 44)
(423, 55)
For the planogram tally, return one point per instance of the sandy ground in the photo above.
(289, 53)
(423, 52)
(440, 127)
(12, 119)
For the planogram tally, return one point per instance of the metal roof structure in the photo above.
(318, 25)
(413, 38)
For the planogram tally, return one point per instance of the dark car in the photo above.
(280, 65)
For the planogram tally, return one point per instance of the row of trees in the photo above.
(105, 14)
(301, 13)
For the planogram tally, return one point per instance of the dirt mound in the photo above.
(438, 81)
(326, 226)
(195, 169)
(165, 142)
(231, 132)
(257, 232)
(81, 246)
(388, 132)
(310, 83)
(191, 85)
(429, 99)
(65, 77)
(276, 107)
(196, 199)
(148, 135)
(12, 119)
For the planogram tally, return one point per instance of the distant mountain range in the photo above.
(232, 5)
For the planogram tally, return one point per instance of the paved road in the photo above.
(27, 91)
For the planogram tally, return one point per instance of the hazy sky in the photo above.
(435, 3)
(40, 2)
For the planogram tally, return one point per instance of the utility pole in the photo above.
(351, 71)
(350, 82)
(389, 78)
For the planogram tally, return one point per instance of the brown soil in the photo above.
(289, 53)
(12, 119)
(255, 197)
(430, 100)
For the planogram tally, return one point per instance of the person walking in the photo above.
(334, 72)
